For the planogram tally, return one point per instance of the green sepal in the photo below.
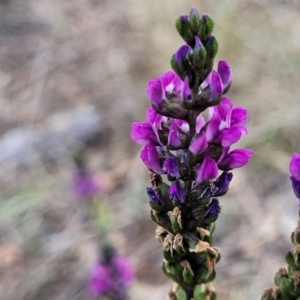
(177, 68)
(211, 47)
(199, 293)
(287, 286)
(156, 207)
(184, 29)
(201, 275)
(206, 26)
(290, 260)
(199, 58)
(174, 258)
(180, 294)
(188, 276)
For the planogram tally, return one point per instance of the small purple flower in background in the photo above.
(295, 171)
(112, 276)
(101, 280)
(84, 185)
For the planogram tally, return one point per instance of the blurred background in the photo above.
(73, 76)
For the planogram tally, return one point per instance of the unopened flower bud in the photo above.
(184, 29)
(211, 47)
(206, 26)
(199, 54)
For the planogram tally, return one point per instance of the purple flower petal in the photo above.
(182, 53)
(149, 156)
(154, 197)
(224, 71)
(295, 166)
(170, 83)
(171, 166)
(183, 125)
(224, 111)
(232, 135)
(155, 92)
(176, 192)
(207, 171)
(216, 87)
(212, 129)
(185, 93)
(173, 138)
(199, 145)
(142, 133)
(213, 209)
(200, 122)
(239, 116)
(235, 159)
(198, 44)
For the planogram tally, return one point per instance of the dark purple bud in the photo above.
(222, 183)
(154, 197)
(171, 166)
(213, 209)
(176, 192)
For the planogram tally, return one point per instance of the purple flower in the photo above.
(199, 145)
(235, 159)
(208, 170)
(171, 166)
(124, 268)
(162, 87)
(101, 280)
(222, 183)
(176, 192)
(213, 209)
(165, 95)
(150, 157)
(142, 133)
(295, 171)
(85, 185)
(222, 128)
(154, 196)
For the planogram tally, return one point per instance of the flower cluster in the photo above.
(112, 276)
(190, 148)
(287, 280)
